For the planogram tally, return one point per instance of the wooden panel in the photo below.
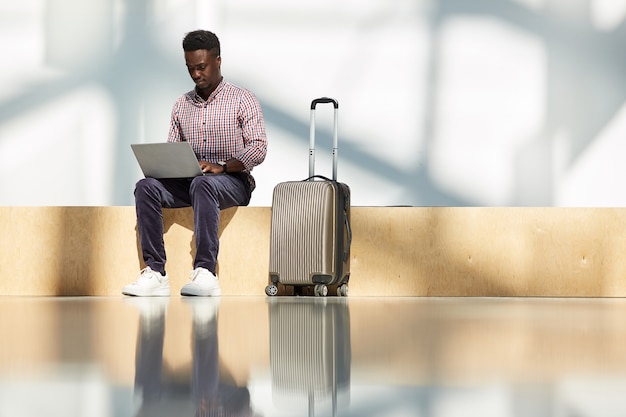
(396, 251)
(95, 250)
(444, 251)
(66, 250)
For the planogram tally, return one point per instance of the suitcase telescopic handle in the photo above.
(324, 100)
(314, 103)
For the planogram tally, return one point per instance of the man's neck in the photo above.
(206, 92)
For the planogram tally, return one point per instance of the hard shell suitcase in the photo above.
(310, 233)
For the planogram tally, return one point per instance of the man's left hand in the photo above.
(209, 167)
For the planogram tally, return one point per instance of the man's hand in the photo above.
(209, 167)
(234, 165)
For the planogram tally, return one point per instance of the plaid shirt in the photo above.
(227, 125)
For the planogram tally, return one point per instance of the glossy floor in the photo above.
(256, 356)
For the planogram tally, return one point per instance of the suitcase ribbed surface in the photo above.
(303, 233)
(302, 352)
(310, 352)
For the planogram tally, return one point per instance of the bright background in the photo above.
(450, 102)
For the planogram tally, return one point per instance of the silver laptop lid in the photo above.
(167, 160)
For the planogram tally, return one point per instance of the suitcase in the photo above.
(310, 232)
(310, 354)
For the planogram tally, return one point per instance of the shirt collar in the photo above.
(197, 99)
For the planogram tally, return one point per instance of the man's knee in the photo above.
(145, 185)
(204, 183)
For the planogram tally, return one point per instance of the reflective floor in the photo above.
(256, 356)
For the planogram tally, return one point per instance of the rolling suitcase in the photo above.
(310, 232)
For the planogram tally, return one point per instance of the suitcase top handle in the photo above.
(324, 100)
(312, 135)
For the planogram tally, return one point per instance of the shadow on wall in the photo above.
(584, 65)
(76, 254)
(128, 73)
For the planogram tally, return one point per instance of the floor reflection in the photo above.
(210, 393)
(302, 356)
(310, 353)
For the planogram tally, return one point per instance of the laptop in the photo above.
(167, 160)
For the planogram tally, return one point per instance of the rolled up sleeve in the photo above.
(253, 132)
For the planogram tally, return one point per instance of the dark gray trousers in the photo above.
(207, 195)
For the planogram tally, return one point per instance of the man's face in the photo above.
(204, 69)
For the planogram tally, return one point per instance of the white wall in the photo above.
(450, 102)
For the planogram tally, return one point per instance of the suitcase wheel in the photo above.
(321, 290)
(342, 290)
(271, 290)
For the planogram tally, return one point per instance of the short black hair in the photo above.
(201, 39)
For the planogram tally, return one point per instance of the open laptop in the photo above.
(167, 160)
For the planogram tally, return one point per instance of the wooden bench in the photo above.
(396, 251)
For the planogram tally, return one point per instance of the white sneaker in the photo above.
(149, 284)
(203, 283)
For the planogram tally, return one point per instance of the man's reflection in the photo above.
(149, 351)
(208, 395)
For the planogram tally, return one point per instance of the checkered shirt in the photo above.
(229, 124)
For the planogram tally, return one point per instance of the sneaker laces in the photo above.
(146, 274)
(195, 274)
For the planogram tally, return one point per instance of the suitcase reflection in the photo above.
(310, 353)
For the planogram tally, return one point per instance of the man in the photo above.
(225, 127)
